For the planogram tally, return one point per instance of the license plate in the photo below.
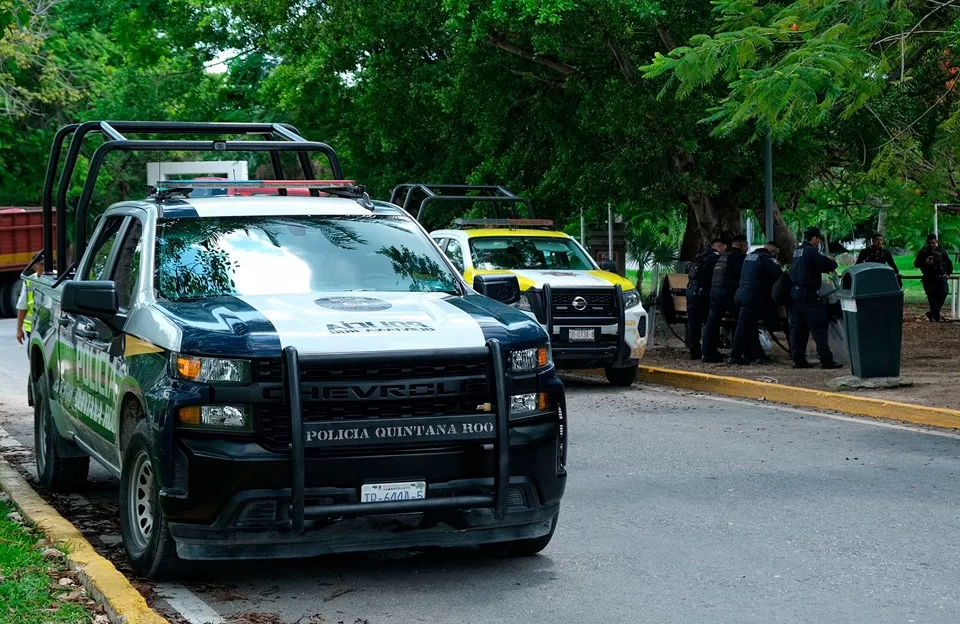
(582, 335)
(383, 492)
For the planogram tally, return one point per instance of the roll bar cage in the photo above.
(454, 192)
(275, 138)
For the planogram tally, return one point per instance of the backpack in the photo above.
(781, 290)
(696, 264)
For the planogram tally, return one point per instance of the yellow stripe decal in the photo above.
(135, 346)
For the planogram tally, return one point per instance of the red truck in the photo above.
(21, 237)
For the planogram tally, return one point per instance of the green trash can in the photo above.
(872, 304)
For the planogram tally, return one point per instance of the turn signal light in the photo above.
(542, 403)
(189, 367)
(543, 357)
(189, 415)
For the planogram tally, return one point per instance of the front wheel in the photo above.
(146, 533)
(54, 471)
(621, 376)
(9, 293)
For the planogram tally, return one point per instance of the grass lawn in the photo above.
(29, 593)
(912, 288)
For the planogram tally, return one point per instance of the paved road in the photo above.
(679, 508)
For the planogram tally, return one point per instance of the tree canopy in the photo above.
(655, 108)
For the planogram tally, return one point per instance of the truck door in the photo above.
(85, 342)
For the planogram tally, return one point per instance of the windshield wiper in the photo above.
(357, 193)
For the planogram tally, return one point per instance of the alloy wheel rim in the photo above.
(140, 506)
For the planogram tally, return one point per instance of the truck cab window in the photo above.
(455, 253)
(126, 272)
(101, 250)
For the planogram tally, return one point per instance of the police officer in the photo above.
(25, 304)
(723, 287)
(761, 270)
(698, 294)
(936, 267)
(808, 314)
(876, 253)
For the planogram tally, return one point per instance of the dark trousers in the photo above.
(808, 315)
(746, 342)
(936, 289)
(698, 304)
(721, 304)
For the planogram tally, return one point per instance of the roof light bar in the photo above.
(267, 184)
(505, 223)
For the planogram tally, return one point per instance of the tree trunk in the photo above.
(713, 216)
(782, 233)
(692, 241)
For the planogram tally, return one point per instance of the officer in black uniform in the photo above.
(936, 267)
(698, 294)
(876, 253)
(723, 288)
(808, 314)
(761, 270)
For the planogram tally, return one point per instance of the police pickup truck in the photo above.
(286, 376)
(594, 317)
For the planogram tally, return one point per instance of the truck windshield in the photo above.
(209, 257)
(515, 253)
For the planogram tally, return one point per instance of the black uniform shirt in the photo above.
(761, 270)
(701, 269)
(940, 267)
(808, 267)
(727, 272)
(879, 256)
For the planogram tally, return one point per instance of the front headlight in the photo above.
(526, 360)
(212, 370)
(631, 298)
(522, 404)
(228, 417)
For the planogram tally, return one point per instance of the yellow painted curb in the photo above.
(802, 397)
(123, 603)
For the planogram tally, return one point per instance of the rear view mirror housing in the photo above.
(94, 299)
(502, 288)
(608, 265)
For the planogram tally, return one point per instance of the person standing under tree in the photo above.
(700, 276)
(936, 267)
(723, 288)
(761, 270)
(877, 254)
(808, 313)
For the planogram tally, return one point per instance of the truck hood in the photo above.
(347, 322)
(564, 279)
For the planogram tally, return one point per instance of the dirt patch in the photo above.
(930, 361)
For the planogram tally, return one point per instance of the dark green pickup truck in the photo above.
(280, 376)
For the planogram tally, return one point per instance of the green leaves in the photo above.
(801, 66)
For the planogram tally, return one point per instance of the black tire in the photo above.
(9, 293)
(146, 532)
(54, 471)
(520, 548)
(621, 376)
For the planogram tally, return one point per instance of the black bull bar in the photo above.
(334, 435)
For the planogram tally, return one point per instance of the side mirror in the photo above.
(96, 299)
(502, 288)
(608, 265)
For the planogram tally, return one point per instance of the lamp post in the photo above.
(768, 185)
